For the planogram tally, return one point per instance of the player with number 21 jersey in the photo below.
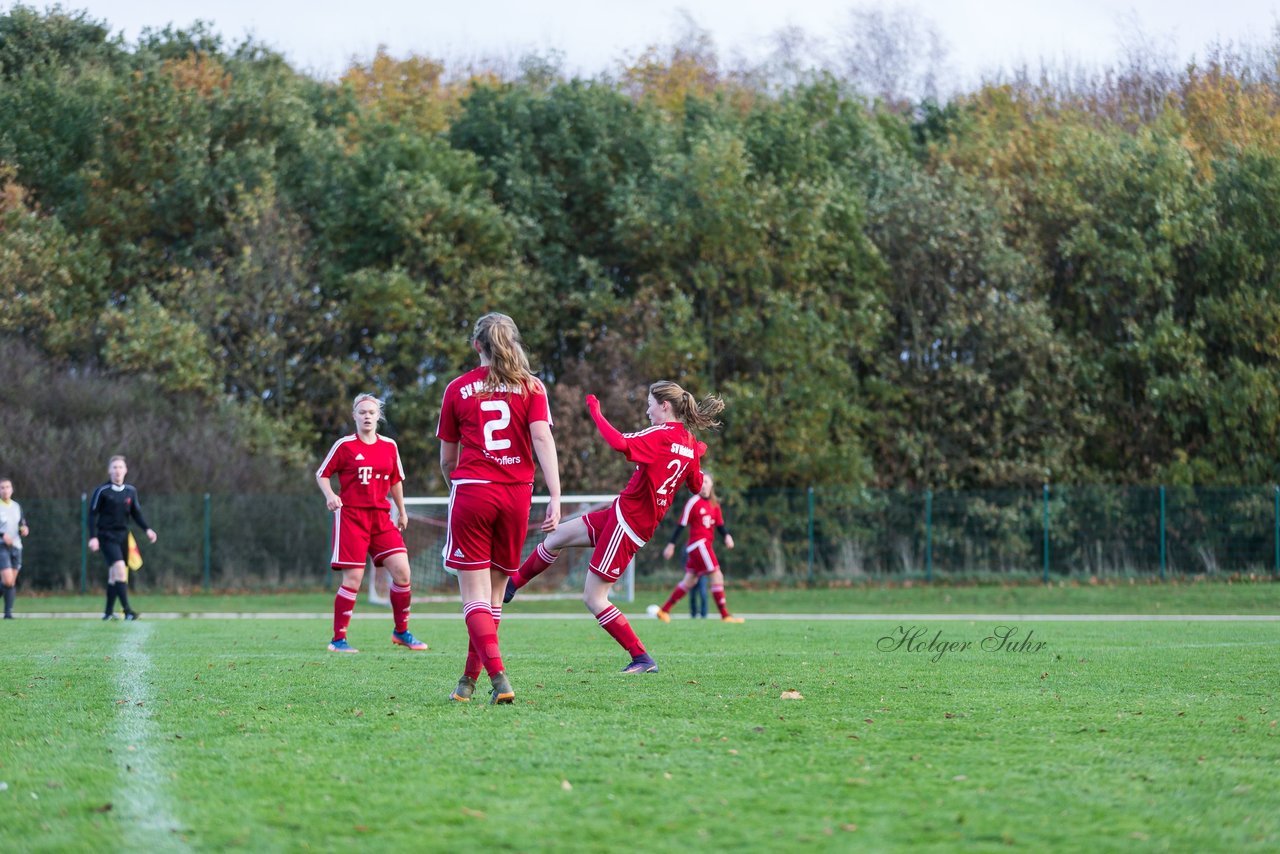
(667, 457)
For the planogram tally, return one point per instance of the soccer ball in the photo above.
(652, 610)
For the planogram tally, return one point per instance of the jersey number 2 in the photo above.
(669, 484)
(500, 423)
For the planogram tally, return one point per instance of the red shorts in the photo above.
(362, 531)
(615, 543)
(488, 523)
(701, 558)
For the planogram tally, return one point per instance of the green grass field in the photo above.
(1247, 597)
(245, 734)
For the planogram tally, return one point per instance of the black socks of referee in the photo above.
(122, 593)
(8, 601)
(117, 590)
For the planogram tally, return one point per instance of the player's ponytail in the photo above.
(696, 416)
(499, 341)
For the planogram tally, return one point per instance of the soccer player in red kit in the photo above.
(703, 517)
(494, 419)
(368, 469)
(667, 455)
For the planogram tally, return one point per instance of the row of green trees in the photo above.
(1023, 283)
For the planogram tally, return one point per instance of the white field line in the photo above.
(382, 614)
(145, 810)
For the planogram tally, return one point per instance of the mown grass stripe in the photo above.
(146, 808)
(584, 615)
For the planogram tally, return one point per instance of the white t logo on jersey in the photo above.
(365, 473)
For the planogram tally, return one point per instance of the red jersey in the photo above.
(665, 457)
(702, 517)
(492, 429)
(366, 472)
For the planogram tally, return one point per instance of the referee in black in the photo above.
(109, 511)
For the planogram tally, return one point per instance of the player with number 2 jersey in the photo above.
(493, 420)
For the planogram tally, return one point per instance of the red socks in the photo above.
(717, 593)
(483, 632)
(613, 622)
(343, 604)
(474, 665)
(534, 565)
(400, 598)
(676, 596)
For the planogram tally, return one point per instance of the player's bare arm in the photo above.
(544, 447)
(331, 499)
(402, 515)
(448, 459)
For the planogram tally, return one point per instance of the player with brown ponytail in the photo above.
(667, 456)
(494, 419)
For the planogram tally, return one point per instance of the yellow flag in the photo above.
(134, 560)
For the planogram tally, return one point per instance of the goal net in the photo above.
(425, 536)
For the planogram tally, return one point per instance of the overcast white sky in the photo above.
(321, 36)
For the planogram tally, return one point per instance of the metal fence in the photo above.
(245, 542)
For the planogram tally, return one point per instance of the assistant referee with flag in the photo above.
(109, 510)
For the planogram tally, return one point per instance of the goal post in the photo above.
(425, 535)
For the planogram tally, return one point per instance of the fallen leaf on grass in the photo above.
(467, 811)
(103, 808)
(791, 695)
(849, 828)
(568, 787)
